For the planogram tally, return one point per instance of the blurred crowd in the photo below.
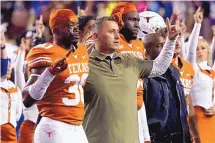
(20, 15)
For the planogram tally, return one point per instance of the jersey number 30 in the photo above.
(75, 89)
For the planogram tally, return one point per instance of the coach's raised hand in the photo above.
(172, 30)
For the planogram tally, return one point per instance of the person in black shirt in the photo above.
(164, 100)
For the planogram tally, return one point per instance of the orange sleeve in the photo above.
(40, 56)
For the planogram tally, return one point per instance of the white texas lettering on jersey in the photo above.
(187, 83)
(135, 53)
(78, 67)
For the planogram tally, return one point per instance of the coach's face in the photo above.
(131, 23)
(108, 36)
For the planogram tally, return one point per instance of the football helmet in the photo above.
(150, 22)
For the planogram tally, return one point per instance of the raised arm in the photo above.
(194, 37)
(2, 45)
(183, 30)
(40, 28)
(4, 60)
(19, 105)
(19, 65)
(213, 47)
(164, 59)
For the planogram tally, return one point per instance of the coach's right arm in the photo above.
(163, 61)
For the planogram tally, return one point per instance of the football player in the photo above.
(58, 72)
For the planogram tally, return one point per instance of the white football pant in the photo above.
(53, 131)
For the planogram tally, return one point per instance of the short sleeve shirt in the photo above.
(110, 97)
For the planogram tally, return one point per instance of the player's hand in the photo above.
(198, 16)
(25, 44)
(172, 30)
(210, 112)
(173, 18)
(82, 12)
(40, 28)
(196, 140)
(213, 29)
(60, 65)
(2, 39)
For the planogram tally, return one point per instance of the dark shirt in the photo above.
(166, 109)
(4, 66)
(173, 122)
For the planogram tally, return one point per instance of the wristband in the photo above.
(38, 89)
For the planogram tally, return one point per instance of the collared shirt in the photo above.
(110, 97)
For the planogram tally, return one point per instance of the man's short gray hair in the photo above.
(98, 23)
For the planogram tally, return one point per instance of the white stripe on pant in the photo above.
(142, 125)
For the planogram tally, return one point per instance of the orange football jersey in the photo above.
(64, 98)
(186, 76)
(136, 48)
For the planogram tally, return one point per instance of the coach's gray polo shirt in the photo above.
(110, 97)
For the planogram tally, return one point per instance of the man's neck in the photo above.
(103, 50)
(149, 57)
(66, 46)
(126, 35)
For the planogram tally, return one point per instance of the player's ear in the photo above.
(56, 31)
(60, 32)
(95, 36)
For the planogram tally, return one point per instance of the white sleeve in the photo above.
(183, 53)
(19, 105)
(193, 43)
(144, 123)
(38, 89)
(213, 51)
(19, 73)
(164, 59)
